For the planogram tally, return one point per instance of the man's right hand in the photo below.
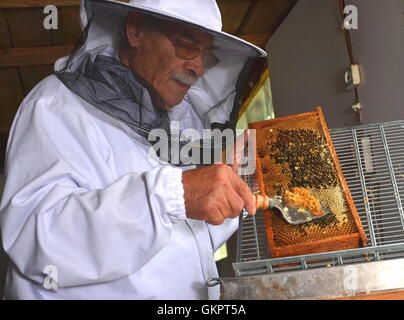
(214, 193)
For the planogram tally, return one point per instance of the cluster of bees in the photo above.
(301, 158)
(305, 158)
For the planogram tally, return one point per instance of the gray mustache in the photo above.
(186, 79)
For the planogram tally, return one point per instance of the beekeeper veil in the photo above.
(94, 72)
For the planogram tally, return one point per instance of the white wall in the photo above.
(378, 45)
(308, 58)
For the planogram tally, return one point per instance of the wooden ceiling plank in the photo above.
(11, 96)
(258, 39)
(4, 130)
(233, 13)
(4, 33)
(3, 146)
(26, 26)
(69, 29)
(246, 17)
(36, 3)
(31, 75)
(39, 3)
(266, 16)
(10, 57)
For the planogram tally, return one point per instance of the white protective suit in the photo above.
(83, 199)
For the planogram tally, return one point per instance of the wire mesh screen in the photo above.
(373, 165)
(372, 161)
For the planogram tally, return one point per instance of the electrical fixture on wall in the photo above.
(352, 74)
(352, 77)
(352, 81)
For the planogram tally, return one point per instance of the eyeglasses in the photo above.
(187, 50)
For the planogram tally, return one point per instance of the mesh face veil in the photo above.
(95, 73)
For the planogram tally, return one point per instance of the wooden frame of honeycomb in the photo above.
(297, 152)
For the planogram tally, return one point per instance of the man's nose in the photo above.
(196, 65)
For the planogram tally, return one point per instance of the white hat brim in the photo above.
(235, 40)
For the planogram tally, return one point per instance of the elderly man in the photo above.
(86, 212)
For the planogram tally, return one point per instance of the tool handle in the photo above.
(263, 202)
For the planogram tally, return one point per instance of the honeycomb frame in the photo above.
(297, 151)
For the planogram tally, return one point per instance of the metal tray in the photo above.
(372, 161)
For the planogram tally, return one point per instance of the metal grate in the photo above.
(252, 242)
(372, 161)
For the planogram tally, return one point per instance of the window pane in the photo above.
(260, 107)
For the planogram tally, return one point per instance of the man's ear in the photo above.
(133, 29)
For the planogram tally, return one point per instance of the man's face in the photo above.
(156, 60)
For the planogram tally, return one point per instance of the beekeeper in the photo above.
(86, 212)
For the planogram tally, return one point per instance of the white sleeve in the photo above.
(221, 233)
(53, 212)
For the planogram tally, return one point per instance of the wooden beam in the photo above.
(258, 39)
(4, 128)
(4, 33)
(266, 16)
(26, 28)
(16, 57)
(3, 147)
(39, 3)
(233, 13)
(11, 95)
(36, 3)
(69, 27)
(31, 75)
